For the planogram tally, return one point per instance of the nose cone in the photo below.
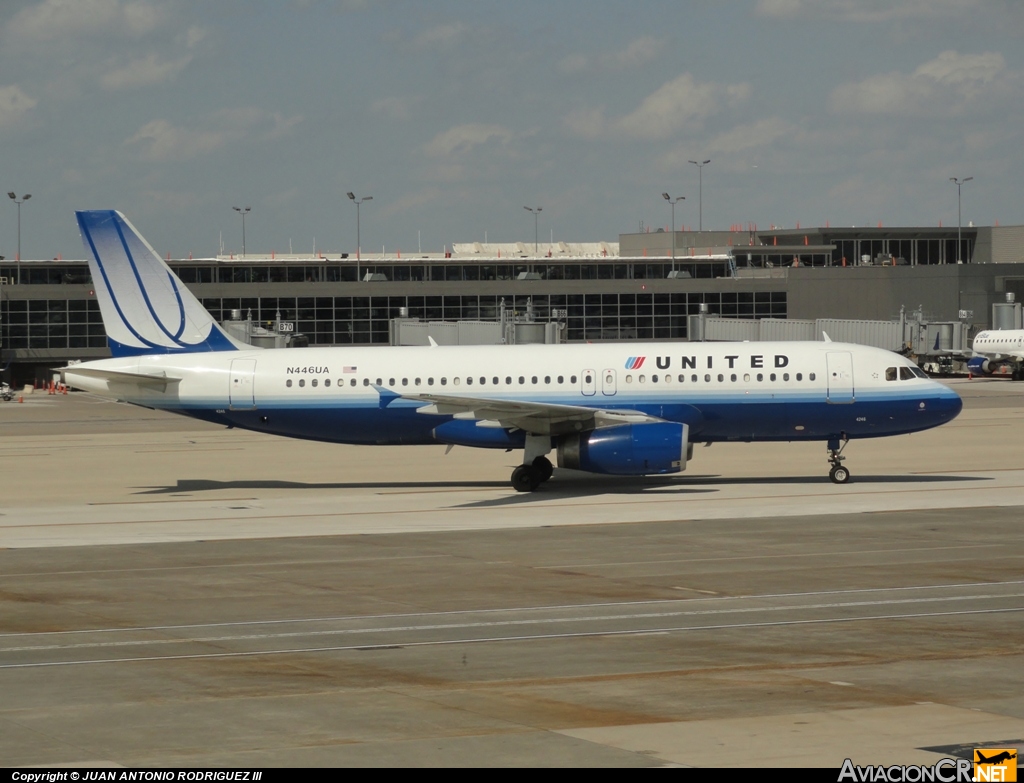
(946, 405)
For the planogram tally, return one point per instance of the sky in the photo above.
(454, 115)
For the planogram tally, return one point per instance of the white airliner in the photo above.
(616, 408)
(995, 349)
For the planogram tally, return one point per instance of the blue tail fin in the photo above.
(146, 309)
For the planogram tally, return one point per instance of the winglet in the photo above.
(825, 337)
(433, 342)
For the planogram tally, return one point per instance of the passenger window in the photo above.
(547, 379)
(572, 379)
(288, 383)
(733, 377)
(905, 374)
(799, 376)
(693, 378)
(366, 381)
(430, 381)
(890, 373)
(494, 380)
(641, 379)
(405, 381)
(313, 383)
(707, 379)
(629, 379)
(417, 382)
(587, 379)
(380, 381)
(522, 380)
(391, 381)
(533, 379)
(810, 377)
(720, 377)
(771, 377)
(760, 377)
(327, 382)
(682, 378)
(654, 379)
(469, 381)
(746, 377)
(508, 379)
(444, 381)
(302, 382)
(785, 376)
(352, 382)
(561, 379)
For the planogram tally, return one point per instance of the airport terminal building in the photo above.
(642, 287)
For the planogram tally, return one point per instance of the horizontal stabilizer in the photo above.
(152, 380)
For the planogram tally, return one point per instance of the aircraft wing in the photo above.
(538, 418)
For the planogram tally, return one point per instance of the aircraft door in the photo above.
(588, 383)
(840, 376)
(608, 382)
(242, 385)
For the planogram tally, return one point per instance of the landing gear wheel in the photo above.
(839, 475)
(525, 478)
(544, 468)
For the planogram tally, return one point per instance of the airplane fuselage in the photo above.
(723, 391)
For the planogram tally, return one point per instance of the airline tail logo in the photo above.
(635, 362)
(145, 308)
(995, 764)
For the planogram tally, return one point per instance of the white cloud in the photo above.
(586, 123)
(159, 140)
(54, 20)
(636, 53)
(463, 138)
(867, 11)
(13, 104)
(750, 136)
(442, 34)
(677, 104)
(943, 85)
(142, 73)
(393, 108)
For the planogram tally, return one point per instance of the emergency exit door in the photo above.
(840, 376)
(241, 384)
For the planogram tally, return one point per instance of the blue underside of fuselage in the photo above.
(709, 421)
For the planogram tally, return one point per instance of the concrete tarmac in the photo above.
(175, 594)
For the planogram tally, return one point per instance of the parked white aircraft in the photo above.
(995, 349)
(615, 408)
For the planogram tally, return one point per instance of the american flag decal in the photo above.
(348, 369)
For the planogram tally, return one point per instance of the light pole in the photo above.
(959, 228)
(672, 201)
(700, 168)
(536, 214)
(352, 196)
(17, 258)
(243, 213)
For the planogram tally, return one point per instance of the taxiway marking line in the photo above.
(537, 637)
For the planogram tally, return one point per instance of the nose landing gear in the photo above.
(838, 474)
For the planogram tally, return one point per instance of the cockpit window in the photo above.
(890, 373)
(919, 372)
(906, 374)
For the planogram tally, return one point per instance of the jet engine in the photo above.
(979, 365)
(627, 449)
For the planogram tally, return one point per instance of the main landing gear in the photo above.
(536, 467)
(526, 478)
(838, 474)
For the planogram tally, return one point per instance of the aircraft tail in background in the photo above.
(146, 309)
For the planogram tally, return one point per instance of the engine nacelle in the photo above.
(627, 449)
(979, 365)
(461, 432)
